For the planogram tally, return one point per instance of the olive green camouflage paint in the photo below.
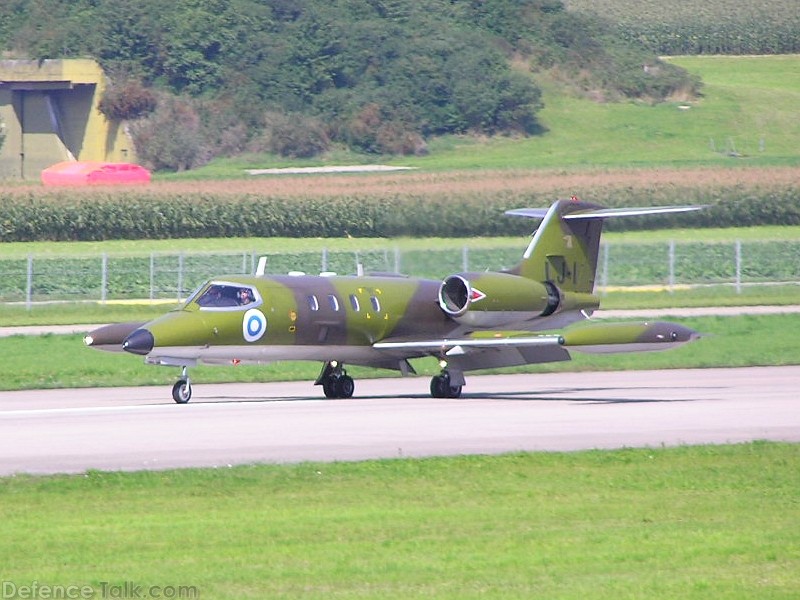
(564, 252)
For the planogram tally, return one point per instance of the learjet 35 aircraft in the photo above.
(535, 312)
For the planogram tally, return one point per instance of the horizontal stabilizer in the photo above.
(604, 213)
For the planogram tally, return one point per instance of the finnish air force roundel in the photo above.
(254, 325)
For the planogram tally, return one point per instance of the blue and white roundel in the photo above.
(254, 325)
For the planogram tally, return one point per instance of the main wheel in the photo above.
(440, 386)
(345, 386)
(329, 387)
(182, 391)
(453, 391)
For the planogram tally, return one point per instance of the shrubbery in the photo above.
(170, 138)
(127, 101)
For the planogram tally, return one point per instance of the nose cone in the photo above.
(110, 337)
(139, 342)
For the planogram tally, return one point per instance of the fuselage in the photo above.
(251, 319)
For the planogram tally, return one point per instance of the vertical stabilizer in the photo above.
(563, 251)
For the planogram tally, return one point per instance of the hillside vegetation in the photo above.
(294, 77)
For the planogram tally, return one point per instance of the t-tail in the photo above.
(565, 247)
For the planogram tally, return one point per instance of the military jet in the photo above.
(536, 312)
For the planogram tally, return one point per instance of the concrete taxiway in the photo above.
(71, 431)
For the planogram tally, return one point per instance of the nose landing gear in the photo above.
(182, 390)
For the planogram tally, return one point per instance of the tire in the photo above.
(182, 391)
(345, 386)
(329, 387)
(440, 386)
(454, 391)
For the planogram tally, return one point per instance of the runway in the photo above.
(69, 431)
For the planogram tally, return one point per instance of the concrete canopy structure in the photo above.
(49, 114)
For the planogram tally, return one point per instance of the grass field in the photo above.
(684, 523)
(732, 341)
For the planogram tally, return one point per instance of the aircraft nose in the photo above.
(681, 333)
(139, 342)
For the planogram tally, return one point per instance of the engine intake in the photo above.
(496, 299)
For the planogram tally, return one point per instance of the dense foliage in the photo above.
(77, 215)
(381, 74)
(675, 27)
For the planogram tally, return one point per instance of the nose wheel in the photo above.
(182, 390)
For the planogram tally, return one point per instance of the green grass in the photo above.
(732, 341)
(683, 523)
(293, 245)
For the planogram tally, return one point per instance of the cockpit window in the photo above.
(227, 295)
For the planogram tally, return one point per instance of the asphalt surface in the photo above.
(141, 428)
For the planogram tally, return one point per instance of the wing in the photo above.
(483, 350)
(491, 349)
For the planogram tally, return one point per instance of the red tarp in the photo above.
(94, 173)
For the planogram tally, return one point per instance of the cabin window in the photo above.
(334, 302)
(313, 303)
(354, 303)
(376, 304)
(227, 295)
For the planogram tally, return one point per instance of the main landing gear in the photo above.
(335, 381)
(447, 385)
(182, 390)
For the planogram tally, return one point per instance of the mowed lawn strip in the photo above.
(692, 522)
(748, 340)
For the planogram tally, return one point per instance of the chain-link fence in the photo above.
(43, 278)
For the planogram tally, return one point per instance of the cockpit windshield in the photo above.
(227, 296)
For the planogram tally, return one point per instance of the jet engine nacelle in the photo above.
(501, 299)
(496, 299)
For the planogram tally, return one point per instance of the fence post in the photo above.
(396, 260)
(152, 275)
(104, 278)
(738, 266)
(29, 284)
(464, 259)
(325, 260)
(180, 275)
(671, 266)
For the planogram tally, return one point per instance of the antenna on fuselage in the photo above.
(261, 268)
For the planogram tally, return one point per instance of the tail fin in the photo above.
(565, 247)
